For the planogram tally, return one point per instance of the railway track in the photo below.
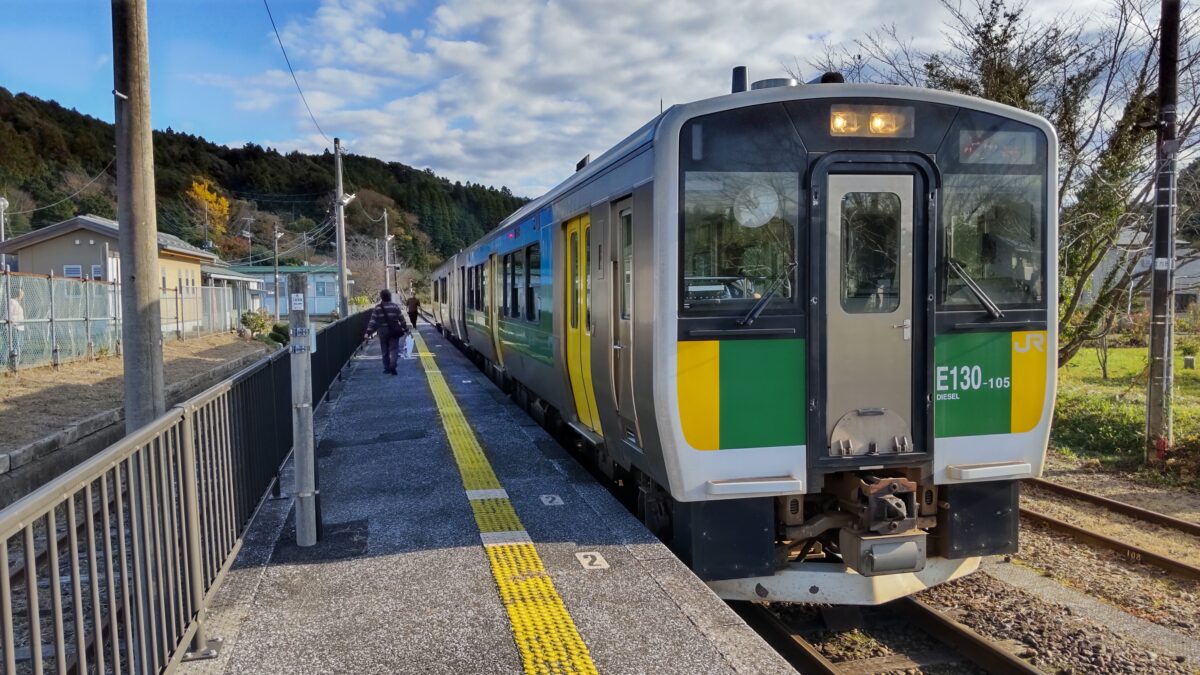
(1131, 551)
(966, 645)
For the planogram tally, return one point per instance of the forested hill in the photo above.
(48, 153)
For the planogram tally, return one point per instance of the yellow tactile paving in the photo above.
(545, 635)
(496, 515)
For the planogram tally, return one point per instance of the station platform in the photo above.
(459, 537)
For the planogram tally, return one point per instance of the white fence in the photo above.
(50, 320)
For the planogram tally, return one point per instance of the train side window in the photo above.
(871, 252)
(479, 287)
(518, 283)
(471, 288)
(533, 281)
(626, 233)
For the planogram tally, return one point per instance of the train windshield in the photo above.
(739, 211)
(994, 214)
(994, 232)
(739, 236)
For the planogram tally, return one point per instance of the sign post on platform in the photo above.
(303, 440)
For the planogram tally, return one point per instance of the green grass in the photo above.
(1104, 419)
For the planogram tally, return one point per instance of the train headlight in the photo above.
(871, 121)
(842, 122)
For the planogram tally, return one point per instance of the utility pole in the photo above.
(141, 329)
(275, 235)
(308, 498)
(1159, 435)
(387, 244)
(340, 205)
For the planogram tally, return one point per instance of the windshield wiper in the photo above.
(759, 306)
(984, 299)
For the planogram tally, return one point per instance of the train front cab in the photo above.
(864, 352)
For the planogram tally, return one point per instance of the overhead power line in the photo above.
(293, 72)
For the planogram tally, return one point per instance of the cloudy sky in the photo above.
(501, 92)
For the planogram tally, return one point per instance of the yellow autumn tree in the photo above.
(211, 209)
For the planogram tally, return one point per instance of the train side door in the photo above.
(622, 284)
(578, 320)
(492, 292)
(869, 314)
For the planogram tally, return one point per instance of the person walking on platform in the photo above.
(388, 320)
(413, 305)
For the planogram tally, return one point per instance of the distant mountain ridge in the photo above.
(48, 152)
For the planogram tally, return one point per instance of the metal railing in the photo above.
(110, 567)
(52, 320)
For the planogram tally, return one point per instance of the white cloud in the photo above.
(515, 92)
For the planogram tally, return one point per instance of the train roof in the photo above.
(676, 115)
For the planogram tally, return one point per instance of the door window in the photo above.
(587, 260)
(573, 254)
(626, 263)
(870, 262)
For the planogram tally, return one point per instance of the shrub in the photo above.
(279, 333)
(255, 322)
(1189, 346)
(1099, 425)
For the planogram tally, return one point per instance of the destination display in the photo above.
(997, 147)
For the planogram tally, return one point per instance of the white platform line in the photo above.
(501, 538)
(497, 493)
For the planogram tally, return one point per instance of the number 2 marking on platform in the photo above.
(552, 500)
(592, 560)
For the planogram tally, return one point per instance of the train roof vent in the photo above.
(774, 82)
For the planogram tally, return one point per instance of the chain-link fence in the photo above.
(48, 320)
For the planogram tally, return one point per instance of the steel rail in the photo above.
(1131, 551)
(1119, 507)
(985, 653)
(794, 649)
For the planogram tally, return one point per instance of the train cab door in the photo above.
(869, 281)
(577, 234)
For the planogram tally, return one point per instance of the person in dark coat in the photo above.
(413, 305)
(388, 320)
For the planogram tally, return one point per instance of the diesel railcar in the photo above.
(813, 325)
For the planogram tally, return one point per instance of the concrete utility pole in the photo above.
(1159, 435)
(340, 205)
(308, 507)
(387, 244)
(275, 235)
(141, 327)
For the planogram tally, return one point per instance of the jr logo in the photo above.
(1032, 341)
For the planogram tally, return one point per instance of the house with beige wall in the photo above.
(85, 247)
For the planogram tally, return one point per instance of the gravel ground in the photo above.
(40, 401)
(883, 633)
(1056, 640)
(1180, 502)
(1142, 590)
(1157, 538)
